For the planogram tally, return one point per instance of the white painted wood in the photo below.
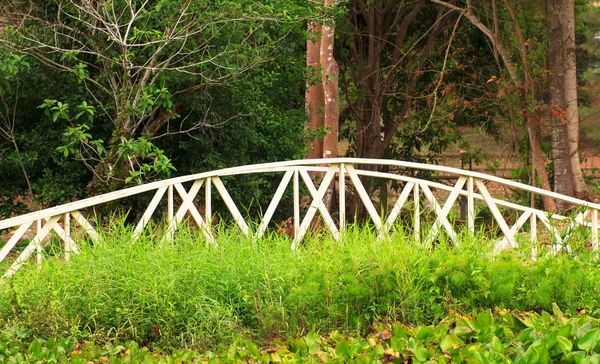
(533, 228)
(67, 234)
(208, 202)
(417, 213)
(187, 200)
(443, 213)
(533, 236)
(595, 229)
(438, 211)
(316, 205)
(66, 238)
(274, 203)
(22, 258)
(188, 206)
(503, 243)
(87, 227)
(364, 196)
(397, 207)
(38, 247)
(148, 213)
(170, 225)
(496, 213)
(342, 196)
(273, 167)
(558, 242)
(296, 203)
(237, 216)
(14, 239)
(470, 206)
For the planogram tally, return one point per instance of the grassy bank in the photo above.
(191, 295)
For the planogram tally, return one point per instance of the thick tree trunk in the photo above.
(563, 173)
(314, 89)
(570, 84)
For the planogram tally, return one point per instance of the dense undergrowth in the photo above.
(503, 337)
(187, 294)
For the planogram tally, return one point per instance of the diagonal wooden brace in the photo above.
(22, 258)
(508, 234)
(237, 216)
(274, 203)
(317, 205)
(364, 196)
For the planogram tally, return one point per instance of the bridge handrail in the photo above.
(276, 167)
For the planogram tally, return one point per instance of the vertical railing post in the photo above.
(595, 229)
(342, 197)
(417, 216)
(208, 202)
(170, 222)
(38, 247)
(533, 235)
(67, 235)
(296, 202)
(470, 206)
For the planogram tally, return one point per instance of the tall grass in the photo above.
(190, 294)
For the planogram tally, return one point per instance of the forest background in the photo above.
(100, 95)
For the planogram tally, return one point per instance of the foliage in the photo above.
(169, 295)
(502, 337)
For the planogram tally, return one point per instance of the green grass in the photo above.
(188, 294)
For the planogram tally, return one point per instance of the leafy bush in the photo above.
(507, 337)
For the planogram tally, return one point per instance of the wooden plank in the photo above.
(13, 240)
(558, 242)
(65, 237)
(237, 216)
(272, 167)
(496, 213)
(364, 196)
(470, 206)
(443, 213)
(274, 203)
(22, 258)
(87, 227)
(316, 205)
(503, 243)
(397, 207)
(296, 203)
(208, 202)
(417, 213)
(187, 198)
(438, 211)
(148, 213)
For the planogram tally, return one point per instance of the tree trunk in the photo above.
(570, 84)
(314, 89)
(563, 173)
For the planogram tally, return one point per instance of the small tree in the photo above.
(142, 63)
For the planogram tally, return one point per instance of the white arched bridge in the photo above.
(516, 223)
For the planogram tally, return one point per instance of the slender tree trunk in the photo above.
(314, 89)
(329, 78)
(570, 84)
(563, 172)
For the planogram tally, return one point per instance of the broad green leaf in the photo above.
(450, 342)
(565, 344)
(589, 340)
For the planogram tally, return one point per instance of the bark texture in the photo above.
(571, 105)
(563, 172)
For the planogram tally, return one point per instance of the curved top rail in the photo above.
(275, 167)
